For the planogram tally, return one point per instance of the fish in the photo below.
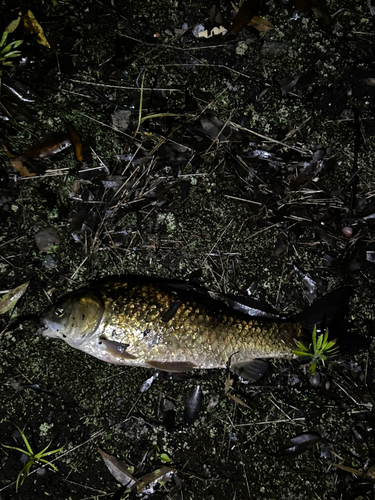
(176, 326)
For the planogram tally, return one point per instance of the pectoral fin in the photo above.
(116, 349)
(250, 370)
(172, 366)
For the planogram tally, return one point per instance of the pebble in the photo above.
(47, 239)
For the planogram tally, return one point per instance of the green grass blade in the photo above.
(17, 449)
(31, 453)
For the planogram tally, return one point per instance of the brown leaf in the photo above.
(16, 163)
(261, 24)
(356, 472)
(245, 14)
(237, 400)
(76, 141)
(52, 143)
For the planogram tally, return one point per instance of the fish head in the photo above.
(73, 318)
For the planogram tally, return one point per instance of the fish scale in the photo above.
(170, 325)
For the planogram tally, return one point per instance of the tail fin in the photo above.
(329, 312)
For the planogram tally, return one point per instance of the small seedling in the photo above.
(7, 52)
(33, 457)
(320, 349)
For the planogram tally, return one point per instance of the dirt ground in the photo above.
(130, 144)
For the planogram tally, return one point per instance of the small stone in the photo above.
(47, 239)
(121, 119)
(315, 379)
(49, 262)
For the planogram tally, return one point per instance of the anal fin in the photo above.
(251, 370)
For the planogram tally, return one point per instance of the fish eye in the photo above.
(59, 311)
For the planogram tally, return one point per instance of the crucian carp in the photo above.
(175, 326)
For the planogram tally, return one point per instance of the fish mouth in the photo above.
(48, 328)
(42, 330)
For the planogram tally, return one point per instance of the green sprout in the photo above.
(320, 349)
(7, 52)
(33, 457)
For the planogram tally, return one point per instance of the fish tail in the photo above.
(327, 312)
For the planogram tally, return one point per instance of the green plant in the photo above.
(33, 457)
(148, 117)
(8, 52)
(320, 349)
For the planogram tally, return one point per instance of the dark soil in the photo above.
(252, 169)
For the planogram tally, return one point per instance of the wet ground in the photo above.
(244, 163)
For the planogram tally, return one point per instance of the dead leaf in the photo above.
(243, 17)
(356, 472)
(287, 84)
(159, 475)
(51, 143)
(10, 299)
(76, 141)
(298, 444)
(33, 27)
(16, 108)
(228, 382)
(261, 24)
(237, 400)
(13, 25)
(193, 405)
(217, 30)
(16, 163)
(119, 470)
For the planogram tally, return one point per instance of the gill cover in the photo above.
(73, 318)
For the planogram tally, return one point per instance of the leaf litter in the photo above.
(240, 176)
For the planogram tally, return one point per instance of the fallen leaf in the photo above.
(76, 141)
(298, 444)
(193, 405)
(13, 25)
(10, 299)
(16, 88)
(51, 143)
(237, 400)
(16, 108)
(119, 470)
(261, 24)
(287, 84)
(159, 475)
(215, 31)
(243, 17)
(17, 164)
(356, 472)
(33, 27)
